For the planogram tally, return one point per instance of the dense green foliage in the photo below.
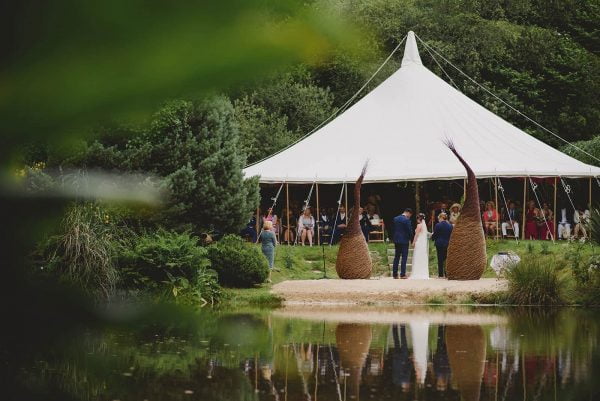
(194, 148)
(540, 56)
(84, 250)
(238, 263)
(538, 281)
(169, 263)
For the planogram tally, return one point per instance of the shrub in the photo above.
(238, 263)
(171, 264)
(537, 281)
(587, 277)
(84, 251)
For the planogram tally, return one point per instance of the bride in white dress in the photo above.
(420, 258)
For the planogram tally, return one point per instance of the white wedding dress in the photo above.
(420, 258)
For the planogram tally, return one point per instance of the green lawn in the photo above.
(298, 263)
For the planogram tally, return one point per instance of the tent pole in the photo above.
(258, 218)
(496, 204)
(287, 212)
(346, 195)
(554, 221)
(318, 219)
(417, 198)
(590, 195)
(524, 206)
(464, 189)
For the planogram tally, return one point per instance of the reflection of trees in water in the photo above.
(362, 360)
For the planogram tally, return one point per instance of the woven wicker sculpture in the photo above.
(353, 342)
(466, 351)
(466, 251)
(353, 258)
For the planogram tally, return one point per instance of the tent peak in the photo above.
(411, 51)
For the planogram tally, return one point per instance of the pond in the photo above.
(335, 354)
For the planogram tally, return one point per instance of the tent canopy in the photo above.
(400, 127)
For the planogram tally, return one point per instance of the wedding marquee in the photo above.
(400, 128)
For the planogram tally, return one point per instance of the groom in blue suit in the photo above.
(403, 235)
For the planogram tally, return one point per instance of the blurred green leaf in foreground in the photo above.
(66, 63)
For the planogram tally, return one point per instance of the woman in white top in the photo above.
(306, 226)
(420, 259)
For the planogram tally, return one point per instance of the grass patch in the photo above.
(436, 300)
(258, 297)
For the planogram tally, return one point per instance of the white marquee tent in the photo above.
(400, 127)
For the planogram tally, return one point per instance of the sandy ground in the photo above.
(382, 290)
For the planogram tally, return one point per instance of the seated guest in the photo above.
(288, 226)
(324, 223)
(454, 213)
(365, 223)
(510, 215)
(306, 226)
(371, 211)
(531, 215)
(545, 226)
(250, 230)
(490, 219)
(564, 225)
(340, 225)
(580, 219)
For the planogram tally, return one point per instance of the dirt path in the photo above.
(383, 290)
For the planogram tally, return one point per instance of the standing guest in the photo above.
(490, 219)
(268, 243)
(545, 229)
(564, 225)
(441, 236)
(340, 225)
(510, 215)
(435, 212)
(403, 234)
(365, 223)
(306, 226)
(531, 231)
(454, 213)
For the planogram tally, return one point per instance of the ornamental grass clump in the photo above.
(84, 251)
(538, 281)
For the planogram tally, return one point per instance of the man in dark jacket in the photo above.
(441, 236)
(403, 234)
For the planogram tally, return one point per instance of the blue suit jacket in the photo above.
(403, 231)
(441, 233)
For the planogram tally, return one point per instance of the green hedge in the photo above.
(238, 263)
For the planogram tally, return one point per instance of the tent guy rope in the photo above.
(429, 47)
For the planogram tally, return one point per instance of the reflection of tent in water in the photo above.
(466, 350)
(353, 342)
(419, 330)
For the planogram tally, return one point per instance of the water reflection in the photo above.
(373, 354)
